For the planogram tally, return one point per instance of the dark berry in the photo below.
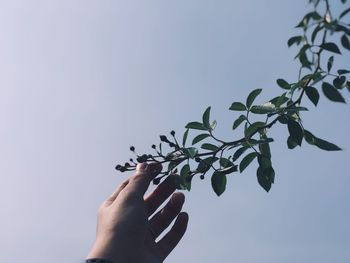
(156, 181)
(163, 138)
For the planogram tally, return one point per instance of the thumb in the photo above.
(143, 176)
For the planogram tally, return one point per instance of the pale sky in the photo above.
(81, 81)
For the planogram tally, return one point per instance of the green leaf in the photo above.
(317, 78)
(184, 138)
(253, 128)
(279, 100)
(340, 28)
(291, 143)
(315, 16)
(309, 137)
(327, 146)
(345, 42)
(251, 97)
(173, 164)
(263, 109)
(312, 94)
(206, 116)
(238, 153)
(190, 152)
(301, 24)
(295, 131)
(210, 147)
(247, 160)
(264, 161)
(330, 46)
(332, 93)
(339, 82)
(228, 167)
(265, 147)
(205, 164)
(265, 177)
(315, 32)
(229, 170)
(185, 171)
(296, 110)
(320, 143)
(200, 137)
(250, 130)
(255, 142)
(238, 121)
(303, 50)
(283, 84)
(218, 182)
(304, 60)
(330, 63)
(224, 162)
(196, 126)
(186, 177)
(293, 40)
(283, 119)
(238, 106)
(213, 125)
(343, 71)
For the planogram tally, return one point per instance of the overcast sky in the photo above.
(82, 80)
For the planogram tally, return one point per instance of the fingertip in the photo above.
(141, 167)
(183, 216)
(177, 198)
(153, 168)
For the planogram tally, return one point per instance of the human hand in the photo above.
(126, 232)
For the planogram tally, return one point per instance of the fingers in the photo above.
(114, 195)
(144, 174)
(162, 219)
(172, 238)
(160, 194)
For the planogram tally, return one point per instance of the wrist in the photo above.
(104, 250)
(97, 260)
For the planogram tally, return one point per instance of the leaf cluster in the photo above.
(206, 154)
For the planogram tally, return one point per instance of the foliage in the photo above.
(208, 154)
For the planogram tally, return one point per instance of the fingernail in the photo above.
(141, 166)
